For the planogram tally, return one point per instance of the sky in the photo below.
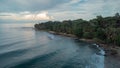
(45, 10)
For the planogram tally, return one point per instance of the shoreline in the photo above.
(63, 34)
(109, 50)
(112, 53)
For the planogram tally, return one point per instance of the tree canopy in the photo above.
(105, 29)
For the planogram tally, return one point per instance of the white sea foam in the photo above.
(98, 59)
(51, 36)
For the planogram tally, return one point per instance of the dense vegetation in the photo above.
(102, 29)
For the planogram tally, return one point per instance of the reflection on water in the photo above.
(23, 47)
(6, 25)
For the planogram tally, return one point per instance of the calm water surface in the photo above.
(23, 47)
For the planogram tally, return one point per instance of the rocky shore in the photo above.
(112, 52)
(109, 49)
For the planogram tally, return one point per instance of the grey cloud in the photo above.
(28, 5)
(63, 9)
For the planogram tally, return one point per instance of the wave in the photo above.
(26, 48)
(29, 63)
(101, 52)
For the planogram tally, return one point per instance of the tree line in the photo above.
(101, 29)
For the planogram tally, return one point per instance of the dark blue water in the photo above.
(23, 47)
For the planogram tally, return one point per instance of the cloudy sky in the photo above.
(44, 10)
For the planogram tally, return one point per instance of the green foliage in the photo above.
(78, 32)
(117, 39)
(100, 34)
(103, 29)
(88, 35)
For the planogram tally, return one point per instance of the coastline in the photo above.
(109, 49)
(112, 53)
(63, 34)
